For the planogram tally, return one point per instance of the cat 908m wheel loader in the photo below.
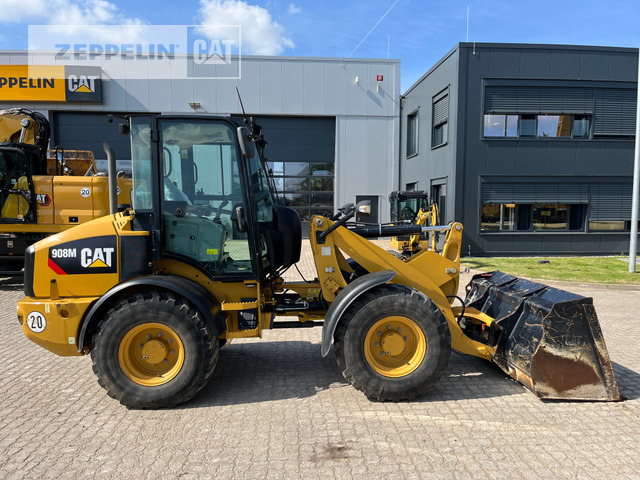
(153, 293)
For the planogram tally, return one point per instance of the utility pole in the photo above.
(633, 242)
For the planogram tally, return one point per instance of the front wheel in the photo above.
(153, 350)
(392, 344)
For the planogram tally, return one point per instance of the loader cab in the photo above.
(210, 204)
(406, 205)
(17, 195)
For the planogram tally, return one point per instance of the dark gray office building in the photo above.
(529, 146)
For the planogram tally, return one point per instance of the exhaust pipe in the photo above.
(112, 175)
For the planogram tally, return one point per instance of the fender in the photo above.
(345, 298)
(200, 298)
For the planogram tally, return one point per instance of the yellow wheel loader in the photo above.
(413, 207)
(153, 293)
(40, 196)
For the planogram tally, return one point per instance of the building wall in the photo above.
(273, 86)
(567, 164)
(432, 164)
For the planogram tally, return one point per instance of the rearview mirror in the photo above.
(364, 208)
(246, 144)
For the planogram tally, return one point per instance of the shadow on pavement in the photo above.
(11, 283)
(270, 371)
(628, 381)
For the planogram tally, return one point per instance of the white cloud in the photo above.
(261, 35)
(293, 9)
(63, 12)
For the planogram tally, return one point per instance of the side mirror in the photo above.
(364, 208)
(246, 144)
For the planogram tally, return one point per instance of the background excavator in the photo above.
(40, 194)
(153, 293)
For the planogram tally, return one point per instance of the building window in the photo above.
(581, 126)
(551, 217)
(439, 195)
(554, 126)
(307, 187)
(440, 119)
(412, 134)
(546, 217)
(498, 217)
(543, 126)
(501, 125)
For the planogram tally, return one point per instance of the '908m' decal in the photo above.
(90, 255)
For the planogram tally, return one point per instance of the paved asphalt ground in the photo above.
(276, 409)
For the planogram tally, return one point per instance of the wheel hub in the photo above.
(392, 343)
(151, 354)
(154, 351)
(395, 346)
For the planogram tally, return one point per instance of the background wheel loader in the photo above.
(42, 195)
(413, 207)
(152, 294)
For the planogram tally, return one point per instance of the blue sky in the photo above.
(417, 32)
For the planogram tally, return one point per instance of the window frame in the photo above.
(415, 131)
(536, 137)
(525, 214)
(443, 124)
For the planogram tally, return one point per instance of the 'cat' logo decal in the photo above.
(90, 255)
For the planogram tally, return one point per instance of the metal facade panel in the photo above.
(271, 91)
(335, 78)
(535, 63)
(505, 63)
(560, 157)
(622, 67)
(364, 147)
(564, 65)
(249, 86)
(594, 65)
(160, 95)
(292, 87)
(357, 93)
(313, 88)
(590, 158)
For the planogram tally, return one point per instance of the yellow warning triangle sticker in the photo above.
(83, 88)
(98, 263)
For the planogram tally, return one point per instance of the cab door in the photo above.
(17, 199)
(201, 194)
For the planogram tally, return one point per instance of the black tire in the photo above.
(184, 349)
(420, 353)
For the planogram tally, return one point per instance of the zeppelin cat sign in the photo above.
(50, 83)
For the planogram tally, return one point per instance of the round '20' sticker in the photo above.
(36, 322)
(85, 192)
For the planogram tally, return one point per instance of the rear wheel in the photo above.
(153, 350)
(392, 344)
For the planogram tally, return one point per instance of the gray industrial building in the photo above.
(332, 124)
(529, 146)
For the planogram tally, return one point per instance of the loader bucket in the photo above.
(547, 339)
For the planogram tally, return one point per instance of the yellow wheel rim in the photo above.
(151, 354)
(395, 346)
